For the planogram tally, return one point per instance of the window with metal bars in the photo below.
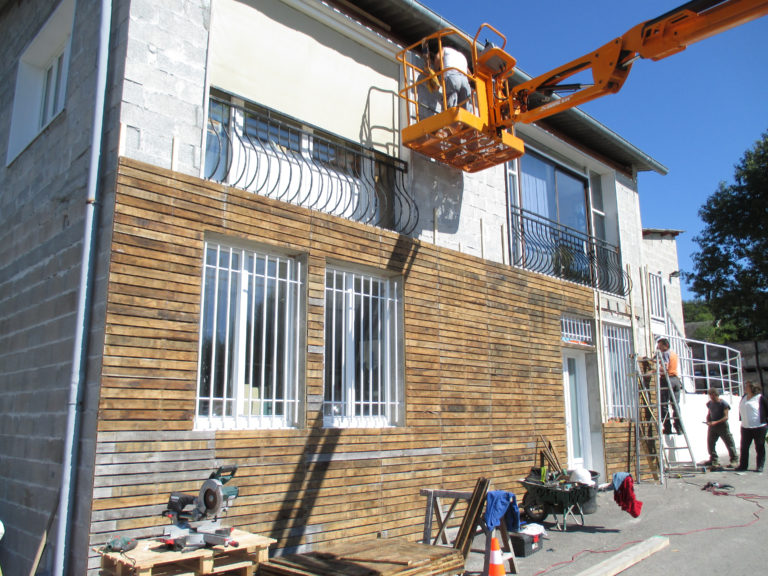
(576, 330)
(363, 350)
(250, 337)
(656, 289)
(617, 341)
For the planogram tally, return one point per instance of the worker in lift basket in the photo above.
(455, 69)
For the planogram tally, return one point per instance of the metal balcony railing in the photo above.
(261, 151)
(541, 245)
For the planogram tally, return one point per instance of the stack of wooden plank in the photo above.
(380, 557)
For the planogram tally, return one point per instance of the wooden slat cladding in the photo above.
(483, 372)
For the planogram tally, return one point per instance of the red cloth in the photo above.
(625, 497)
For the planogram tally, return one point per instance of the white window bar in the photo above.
(618, 369)
(248, 373)
(576, 330)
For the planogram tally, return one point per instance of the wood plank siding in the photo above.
(483, 372)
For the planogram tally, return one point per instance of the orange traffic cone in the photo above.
(496, 566)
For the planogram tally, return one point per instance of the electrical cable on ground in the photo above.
(752, 498)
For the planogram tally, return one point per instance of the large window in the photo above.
(552, 193)
(41, 79)
(556, 230)
(363, 350)
(250, 365)
(619, 370)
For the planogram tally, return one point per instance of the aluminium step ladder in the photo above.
(665, 453)
(647, 429)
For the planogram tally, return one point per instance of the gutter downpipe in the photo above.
(80, 355)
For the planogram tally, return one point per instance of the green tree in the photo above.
(731, 266)
(700, 324)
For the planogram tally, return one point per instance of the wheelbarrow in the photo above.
(564, 498)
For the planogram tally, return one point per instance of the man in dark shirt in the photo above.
(717, 421)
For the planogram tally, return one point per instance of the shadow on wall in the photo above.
(380, 136)
(293, 527)
(438, 190)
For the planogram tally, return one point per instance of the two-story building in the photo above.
(215, 250)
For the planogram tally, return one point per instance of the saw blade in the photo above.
(211, 497)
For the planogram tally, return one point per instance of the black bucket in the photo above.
(590, 506)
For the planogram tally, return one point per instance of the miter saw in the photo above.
(200, 526)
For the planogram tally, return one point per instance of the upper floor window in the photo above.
(41, 80)
(249, 370)
(657, 296)
(598, 207)
(363, 350)
(550, 222)
(52, 99)
(263, 151)
(553, 193)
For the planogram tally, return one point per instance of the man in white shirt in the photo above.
(454, 66)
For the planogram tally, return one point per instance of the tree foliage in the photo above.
(731, 266)
(700, 324)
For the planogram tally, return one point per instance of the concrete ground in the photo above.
(708, 533)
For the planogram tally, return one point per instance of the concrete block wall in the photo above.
(464, 212)
(42, 206)
(163, 98)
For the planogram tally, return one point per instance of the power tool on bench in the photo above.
(200, 526)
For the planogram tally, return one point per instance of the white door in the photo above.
(576, 410)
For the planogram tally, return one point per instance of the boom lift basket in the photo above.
(479, 133)
(467, 136)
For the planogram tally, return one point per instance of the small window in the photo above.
(576, 331)
(52, 99)
(363, 350)
(656, 290)
(41, 80)
(249, 365)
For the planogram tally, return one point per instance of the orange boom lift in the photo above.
(479, 133)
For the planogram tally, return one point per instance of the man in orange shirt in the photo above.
(669, 387)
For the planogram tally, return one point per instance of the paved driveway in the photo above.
(708, 533)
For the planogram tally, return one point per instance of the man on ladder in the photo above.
(671, 363)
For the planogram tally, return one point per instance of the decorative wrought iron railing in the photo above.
(261, 151)
(541, 245)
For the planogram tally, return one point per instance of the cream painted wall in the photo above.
(288, 61)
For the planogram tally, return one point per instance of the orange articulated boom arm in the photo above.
(610, 64)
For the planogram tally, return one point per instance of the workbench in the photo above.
(153, 558)
(372, 557)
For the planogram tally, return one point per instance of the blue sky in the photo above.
(696, 112)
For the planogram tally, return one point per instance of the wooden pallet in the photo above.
(152, 558)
